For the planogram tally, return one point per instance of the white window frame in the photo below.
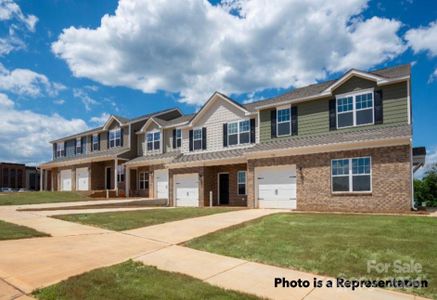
(245, 182)
(350, 175)
(277, 120)
(238, 132)
(201, 138)
(79, 141)
(95, 142)
(354, 109)
(178, 138)
(153, 141)
(115, 138)
(60, 149)
(146, 179)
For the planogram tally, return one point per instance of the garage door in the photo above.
(66, 180)
(82, 178)
(276, 186)
(187, 189)
(161, 184)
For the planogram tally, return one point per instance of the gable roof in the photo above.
(120, 120)
(217, 95)
(321, 89)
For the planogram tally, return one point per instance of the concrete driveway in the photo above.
(74, 248)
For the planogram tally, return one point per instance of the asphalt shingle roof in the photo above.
(217, 155)
(110, 153)
(336, 137)
(151, 157)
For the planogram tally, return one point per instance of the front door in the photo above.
(161, 184)
(223, 188)
(108, 178)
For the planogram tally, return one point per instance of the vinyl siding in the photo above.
(313, 116)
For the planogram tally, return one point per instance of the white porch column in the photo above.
(41, 174)
(127, 181)
(115, 177)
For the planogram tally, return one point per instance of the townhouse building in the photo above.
(339, 145)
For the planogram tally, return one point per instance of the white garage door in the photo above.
(82, 178)
(161, 184)
(66, 180)
(276, 186)
(187, 189)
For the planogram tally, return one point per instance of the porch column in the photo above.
(41, 173)
(127, 181)
(115, 177)
(52, 181)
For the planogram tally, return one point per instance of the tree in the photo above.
(425, 190)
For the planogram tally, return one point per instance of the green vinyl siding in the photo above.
(313, 116)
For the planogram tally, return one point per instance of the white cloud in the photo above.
(27, 82)
(87, 101)
(100, 120)
(237, 47)
(25, 135)
(59, 101)
(10, 10)
(430, 160)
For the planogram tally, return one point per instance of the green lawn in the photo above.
(133, 280)
(140, 218)
(333, 245)
(9, 231)
(40, 197)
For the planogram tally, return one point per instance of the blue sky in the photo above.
(63, 69)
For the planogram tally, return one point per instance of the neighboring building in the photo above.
(18, 176)
(341, 145)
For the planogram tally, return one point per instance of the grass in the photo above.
(133, 280)
(333, 245)
(9, 231)
(119, 221)
(40, 197)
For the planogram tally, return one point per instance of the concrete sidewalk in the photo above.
(253, 278)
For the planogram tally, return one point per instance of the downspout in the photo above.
(412, 177)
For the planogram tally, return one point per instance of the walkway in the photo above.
(74, 248)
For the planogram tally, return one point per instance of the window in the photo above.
(351, 175)
(355, 110)
(241, 182)
(284, 121)
(153, 141)
(197, 139)
(115, 138)
(95, 142)
(78, 146)
(239, 132)
(178, 138)
(120, 173)
(60, 150)
(144, 180)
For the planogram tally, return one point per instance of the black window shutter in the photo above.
(91, 143)
(98, 139)
(252, 131)
(74, 147)
(191, 140)
(174, 138)
(107, 140)
(273, 122)
(225, 134)
(378, 107)
(332, 115)
(294, 120)
(65, 148)
(121, 137)
(54, 150)
(204, 138)
(83, 144)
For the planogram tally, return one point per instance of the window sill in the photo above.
(351, 193)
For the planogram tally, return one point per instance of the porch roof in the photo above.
(216, 155)
(85, 158)
(153, 158)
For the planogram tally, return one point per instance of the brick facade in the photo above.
(391, 181)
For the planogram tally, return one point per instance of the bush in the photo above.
(425, 190)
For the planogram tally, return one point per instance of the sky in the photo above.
(66, 65)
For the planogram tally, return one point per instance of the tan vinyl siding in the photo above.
(168, 140)
(313, 116)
